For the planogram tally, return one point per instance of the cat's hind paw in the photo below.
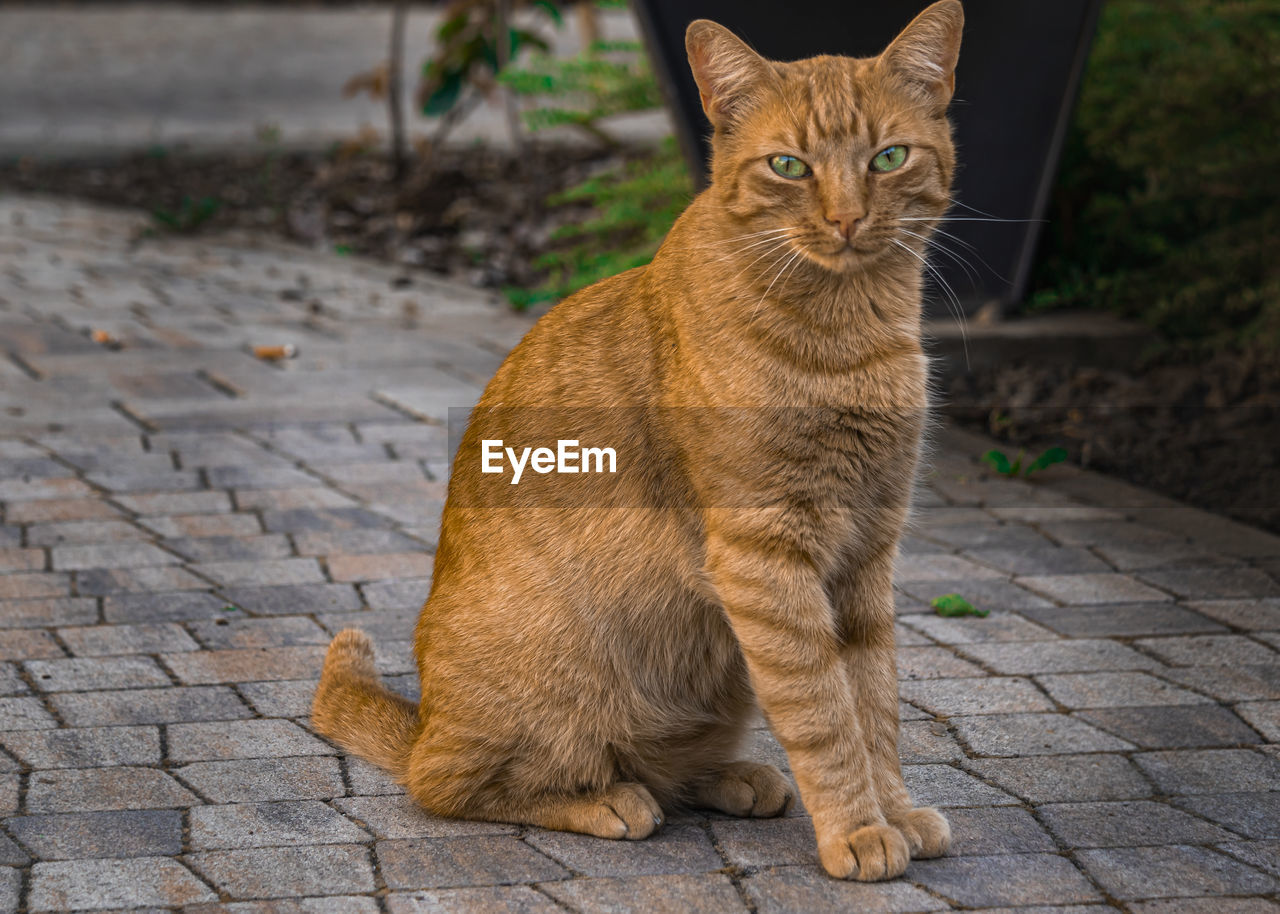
(626, 810)
(926, 830)
(746, 789)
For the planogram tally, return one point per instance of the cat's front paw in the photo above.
(869, 854)
(926, 830)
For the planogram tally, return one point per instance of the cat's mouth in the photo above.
(844, 255)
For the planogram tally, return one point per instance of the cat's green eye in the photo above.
(789, 167)
(889, 159)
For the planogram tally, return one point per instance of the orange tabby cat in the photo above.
(594, 643)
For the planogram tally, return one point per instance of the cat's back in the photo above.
(597, 347)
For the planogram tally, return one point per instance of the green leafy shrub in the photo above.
(611, 77)
(635, 204)
(1167, 206)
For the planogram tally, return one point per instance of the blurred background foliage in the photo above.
(633, 204)
(1167, 206)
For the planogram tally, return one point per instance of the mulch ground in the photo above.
(1207, 433)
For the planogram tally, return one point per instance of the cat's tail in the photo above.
(354, 709)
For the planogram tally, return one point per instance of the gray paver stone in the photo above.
(1027, 658)
(246, 664)
(1115, 690)
(270, 825)
(285, 872)
(1131, 873)
(103, 640)
(75, 884)
(1126, 824)
(943, 785)
(1217, 905)
(122, 833)
(241, 739)
(1065, 778)
(505, 899)
(673, 849)
(25, 713)
(1173, 727)
(1256, 815)
(1210, 770)
(423, 863)
(399, 816)
(987, 831)
(766, 842)
(807, 888)
(263, 780)
(92, 789)
(85, 747)
(1014, 880)
(1033, 734)
(88, 673)
(1224, 650)
(995, 695)
(149, 706)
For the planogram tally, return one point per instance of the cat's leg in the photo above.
(783, 621)
(864, 603)
(746, 789)
(453, 773)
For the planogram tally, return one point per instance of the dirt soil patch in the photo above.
(1205, 433)
(479, 215)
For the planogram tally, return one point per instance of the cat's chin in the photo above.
(844, 259)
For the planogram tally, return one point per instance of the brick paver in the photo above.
(174, 556)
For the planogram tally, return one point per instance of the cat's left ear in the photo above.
(728, 72)
(928, 49)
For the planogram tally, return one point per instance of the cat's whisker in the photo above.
(969, 271)
(792, 270)
(973, 209)
(958, 240)
(773, 240)
(961, 219)
(952, 300)
(776, 244)
(797, 253)
(783, 245)
(773, 231)
(973, 250)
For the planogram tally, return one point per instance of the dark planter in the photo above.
(1020, 67)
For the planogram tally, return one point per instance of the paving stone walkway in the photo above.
(183, 526)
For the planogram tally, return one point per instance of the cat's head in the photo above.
(844, 154)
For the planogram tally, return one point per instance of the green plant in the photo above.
(634, 204)
(474, 43)
(953, 605)
(610, 77)
(189, 216)
(999, 461)
(1167, 206)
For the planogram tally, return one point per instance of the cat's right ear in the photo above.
(728, 72)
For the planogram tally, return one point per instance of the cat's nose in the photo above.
(847, 223)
